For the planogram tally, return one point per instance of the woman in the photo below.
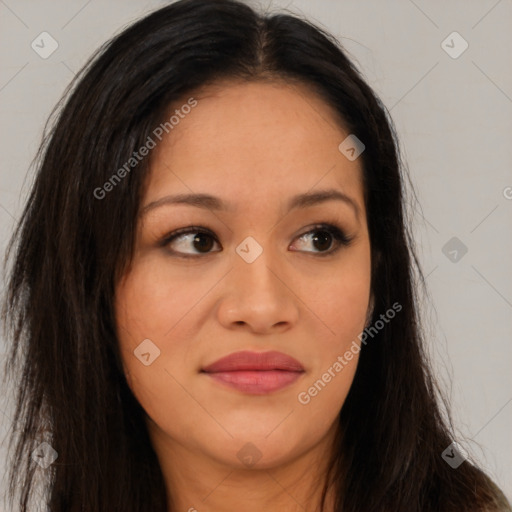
(212, 294)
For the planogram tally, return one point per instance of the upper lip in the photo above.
(262, 361)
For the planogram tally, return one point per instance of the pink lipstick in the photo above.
(255, 373)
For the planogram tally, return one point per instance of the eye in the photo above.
(187, 240)
(195, 241)
(326, 238)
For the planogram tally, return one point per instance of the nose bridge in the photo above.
(255, 268)
(256, 295)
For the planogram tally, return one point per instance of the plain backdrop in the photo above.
(452, 107)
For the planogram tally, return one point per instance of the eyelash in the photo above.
(341, 239)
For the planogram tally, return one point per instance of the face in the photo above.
(261, 266)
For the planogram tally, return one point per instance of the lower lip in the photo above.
(257, 382)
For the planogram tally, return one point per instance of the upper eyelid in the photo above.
(197, 229)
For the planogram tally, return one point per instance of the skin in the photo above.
(254, 145)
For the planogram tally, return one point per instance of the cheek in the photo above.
(150, 302)
(342, 303)
(139, 305)
(151, 309)
(342, 307)
(339, 300)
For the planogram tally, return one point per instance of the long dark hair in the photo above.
(70, 247)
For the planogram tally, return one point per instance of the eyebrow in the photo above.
(210, 202)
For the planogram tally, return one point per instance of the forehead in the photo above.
(253, 141)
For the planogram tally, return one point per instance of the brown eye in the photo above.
(203, 242)
(190, 242)
(324, 238)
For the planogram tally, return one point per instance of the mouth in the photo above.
(256, 373)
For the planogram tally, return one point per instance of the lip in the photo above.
(255, 372)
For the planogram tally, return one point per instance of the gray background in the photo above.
(454, 121)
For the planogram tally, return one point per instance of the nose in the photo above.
(258, 297)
